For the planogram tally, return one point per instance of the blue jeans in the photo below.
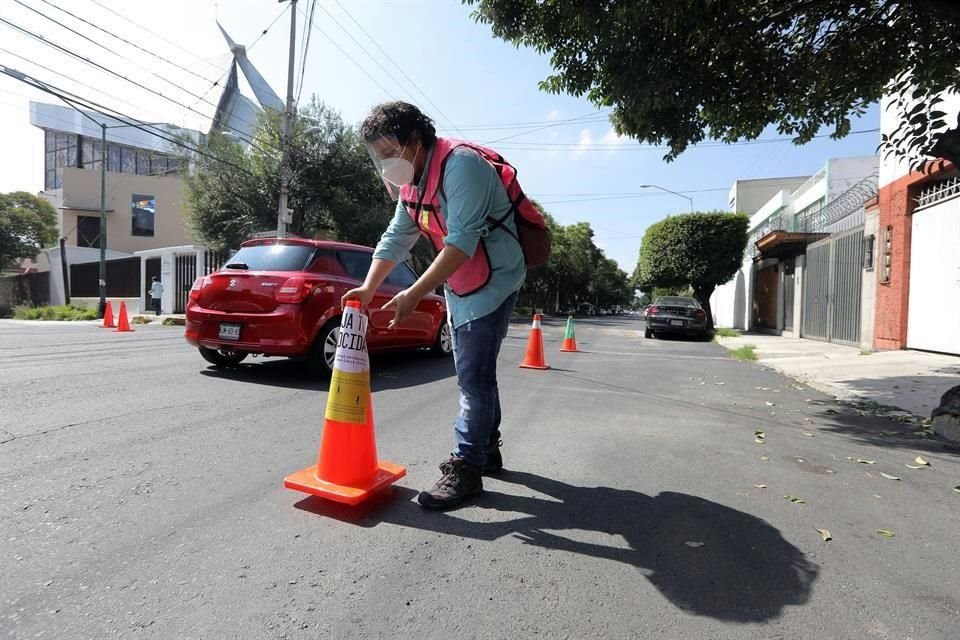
(476, 346)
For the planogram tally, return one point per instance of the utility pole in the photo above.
(102, 305)
(284, 215)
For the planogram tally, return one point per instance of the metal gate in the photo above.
(789, 288)
(185, 272)
(831, 290)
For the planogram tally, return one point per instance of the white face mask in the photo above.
(397, 171)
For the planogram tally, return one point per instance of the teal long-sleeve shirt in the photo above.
(471, 193)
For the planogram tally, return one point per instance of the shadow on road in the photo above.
(739, 568)
(388, 371)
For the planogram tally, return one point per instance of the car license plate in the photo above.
(229, 331)
(676, 323)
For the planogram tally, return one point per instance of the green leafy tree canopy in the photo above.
(28, 223)
(700, 250)
(683, 71)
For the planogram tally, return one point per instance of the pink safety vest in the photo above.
(424, 208)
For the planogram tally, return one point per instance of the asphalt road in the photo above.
(141, 497)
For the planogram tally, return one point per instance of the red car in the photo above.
(282, 298)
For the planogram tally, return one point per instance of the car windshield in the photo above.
(669, 301)
(271, 257)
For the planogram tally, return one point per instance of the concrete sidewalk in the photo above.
(910, 380)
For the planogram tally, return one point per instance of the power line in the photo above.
(574, 146)
(101, 67)
(350, 58)
(74, 100)
(549, 126)
(392, 61)
(224, 75)
(122, 39)
(156, 35)
(306, 47)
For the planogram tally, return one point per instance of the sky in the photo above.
(361, 52)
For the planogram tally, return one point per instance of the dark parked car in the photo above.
(282, 298)
(675, 314)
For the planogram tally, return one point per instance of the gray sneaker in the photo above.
(459, 481)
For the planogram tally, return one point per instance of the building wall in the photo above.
(896, 205)
(81, 190)
(843, 173)
(747, 196)
(868, 291)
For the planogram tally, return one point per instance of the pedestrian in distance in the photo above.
(465, 199)
(156, 294)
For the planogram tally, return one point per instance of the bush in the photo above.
(171, 322)
(62, 312)
(140, 320)
(746, 352)
(724, 332)
(522, 311)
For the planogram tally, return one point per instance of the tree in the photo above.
(677, 73)
(27, 224)
(334, 188)
(702, 250)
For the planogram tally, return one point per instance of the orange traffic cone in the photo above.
(122, 323)
(108, 317)
(347, 468)
(570, 338)
(534, 358)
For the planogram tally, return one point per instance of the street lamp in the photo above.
(655, 186)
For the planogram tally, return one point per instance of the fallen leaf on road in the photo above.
(759, 437)
(759, 440)
(889, 433)
(862, 461)
(849, 457)
(825, 533)
(888, 476)
(764, 458)
(920, 460)
(760, 486)
(808, 434)
(910, 466)
(795, 499)
(957, 488)
(886, 533)
(771, 404)
(832, 412)
(694, 544)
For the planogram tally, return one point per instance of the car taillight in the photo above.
(198, 284)
(653, 310)
(700, 314)
(295, 289)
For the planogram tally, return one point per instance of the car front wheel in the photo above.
(324, 349)
(444, 343)
(220, 358)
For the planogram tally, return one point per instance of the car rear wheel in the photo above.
(324, 349)
(221, 358)
(444, 343)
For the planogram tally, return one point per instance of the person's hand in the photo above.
(363, 294)
(403, 305)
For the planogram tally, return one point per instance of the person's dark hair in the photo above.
(399, 119)
(154, 278)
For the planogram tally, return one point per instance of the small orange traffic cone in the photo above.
(534, 358)
(347, 468)
(570, 338)
(122, 323)
(107, 317)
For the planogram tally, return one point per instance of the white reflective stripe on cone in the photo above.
(536, 322)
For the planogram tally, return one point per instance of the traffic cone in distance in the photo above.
(347, 468)
(107, 317)
(534, 358)
(122, 323)
(569, 338)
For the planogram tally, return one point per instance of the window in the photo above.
(272, 257)
(88, 231)
(128, 160)
(143, 163)
(868, 245)
(143, 209)
(114, 154)
(402, 276)
(60, 152)
(90, 152)
(356, 263)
